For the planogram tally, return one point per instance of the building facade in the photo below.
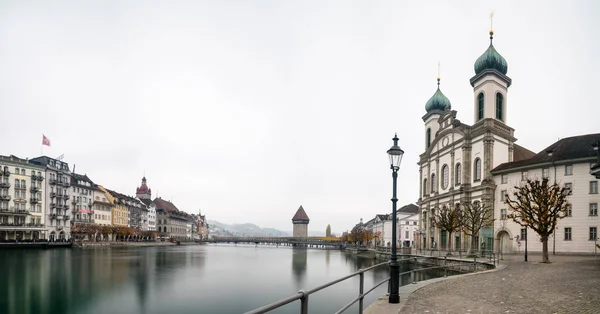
(120, 211)
(102, 207)
(82, 199)
(57, 184)
(568, 163)
(458, 158)
(21, 200)
(170, 221)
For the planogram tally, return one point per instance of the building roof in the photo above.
(164, 205)
(409, 209)
(570, 148)
(300, 215)
(146, 201)
(438, 101)
(143, 189)
(521, 153)
(491, 60)
(76, 177)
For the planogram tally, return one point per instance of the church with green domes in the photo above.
(455, 166)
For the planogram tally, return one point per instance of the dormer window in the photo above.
(499, 106)
(479, 106)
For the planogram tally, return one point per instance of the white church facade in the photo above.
(478, 163)
(458, 158)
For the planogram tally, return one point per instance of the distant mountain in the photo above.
(245, 229)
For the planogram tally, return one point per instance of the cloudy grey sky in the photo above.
(249, 109)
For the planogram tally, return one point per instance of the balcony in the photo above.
(66, 217)
(65, 184)
(5, 197)
(20, 187)
(52, 205)
(6, 173)
(52, 195)
(4, 185)
(34, 200)
(34, 189)
(52, 181)
(36, 177)
(65, 196)
(74, 201)
(52, 216)
(66, 207)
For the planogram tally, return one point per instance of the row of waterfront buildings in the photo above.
(41, 198)
(481, 163)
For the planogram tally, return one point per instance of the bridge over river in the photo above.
(314, 242)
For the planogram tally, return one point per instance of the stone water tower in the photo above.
(300, 221)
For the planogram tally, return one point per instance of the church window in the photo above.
(445, 175)
(458, 174)
(480, 106)
(499, 106)
(477, 169)
(433, 183)
(424, 187)
(428, 137)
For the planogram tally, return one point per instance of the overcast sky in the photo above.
(249, 109)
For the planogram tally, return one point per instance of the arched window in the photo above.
(477, 169)
(424, 187)
(480, 106)
(433, 183)
(499, 106)
(445, 176)
(428, 137)
(457, 174)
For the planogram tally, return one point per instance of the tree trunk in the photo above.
(449, 247)
(545, 258)
(473, 246)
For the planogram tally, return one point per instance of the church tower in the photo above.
(490, 85)
(300, 221)
(143, 192)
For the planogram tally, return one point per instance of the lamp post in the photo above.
(395, 153)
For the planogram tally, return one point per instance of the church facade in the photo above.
(456, 164)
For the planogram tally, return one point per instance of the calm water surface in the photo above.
(177, 279)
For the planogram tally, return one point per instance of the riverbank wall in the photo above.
(94, 245)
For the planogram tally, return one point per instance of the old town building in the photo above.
(21, 200)
(58, 181)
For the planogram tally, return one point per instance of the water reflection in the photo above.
(299, 261)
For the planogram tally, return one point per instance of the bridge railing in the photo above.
(303, 295)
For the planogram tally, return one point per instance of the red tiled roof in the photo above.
(300, 215)
(165, 205)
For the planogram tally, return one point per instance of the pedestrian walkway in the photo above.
(570, 284)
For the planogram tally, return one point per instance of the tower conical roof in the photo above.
(300, 215)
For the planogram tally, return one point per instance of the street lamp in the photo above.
(395, 153)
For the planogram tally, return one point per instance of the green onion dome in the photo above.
(491, 60)
(438, 101)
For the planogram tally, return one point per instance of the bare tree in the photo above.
(539, 205)
(448, 219)
(474, 217)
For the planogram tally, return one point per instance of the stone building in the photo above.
(300, 221)
(57, 184)
(170, 221)
(82, 196)
(458, 158)
(22, 205)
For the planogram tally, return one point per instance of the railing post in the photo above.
(413, 275)
(303, 302)
(475, 264)
(445, 266)
(361, 290)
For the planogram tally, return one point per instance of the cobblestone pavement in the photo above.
(570, 284)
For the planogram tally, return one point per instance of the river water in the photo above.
(179, 279)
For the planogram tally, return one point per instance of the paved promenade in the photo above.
(570, 284)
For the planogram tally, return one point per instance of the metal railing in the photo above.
(302, 295)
